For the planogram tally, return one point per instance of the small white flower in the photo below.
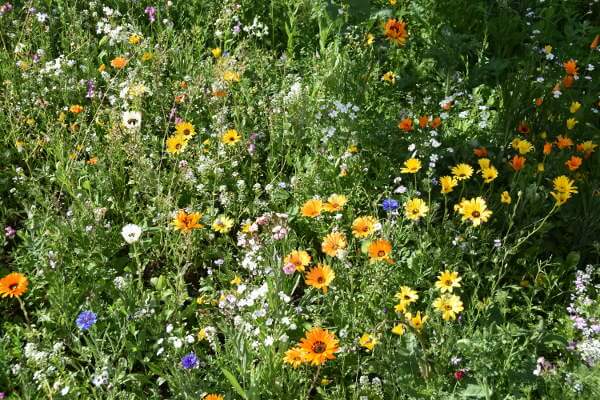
(132, 119)
(131, 233)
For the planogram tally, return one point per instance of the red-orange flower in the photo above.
(568, 81)
(595, 42)
(518, 163)
(573, 163)
(539, 101)
(13, 285)
(571, 67)
(547, 148)
(423, 120)
(395, 31)
(523, 127)
(480, 152)
(437, 121)
(406, 124)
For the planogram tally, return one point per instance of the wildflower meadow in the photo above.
(300, 199)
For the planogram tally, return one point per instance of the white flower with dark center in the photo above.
(132, 119)
(131, 233)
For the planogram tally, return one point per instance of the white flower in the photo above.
(131, 233)
(132, 119)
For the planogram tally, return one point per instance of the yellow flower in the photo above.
(185, 129)
(416, 321)
(484, 163)
(540, 167)
(398, 329)
(236, 281)
(547, 49)
(147, 56)
(505, 197)
(411, 166)
(447, 281)
(231, 76)
(295, 356)
(230, 137)
(370, 39)
(571, 122)
(415, 208)
(333, 243)
(363, 227)
(380, 250)
(406, 296)
(449, 305)
(76, 109)
(216, 52)
(299, 258)
(462, 171)
(474, 210)
(575, 106)
(135, 39)
(561, 198)
(389, 77)
(312, 208)
(176, 144)
(524, 147)
(448, 184)
(562, 184)
(367, 341)
(222, 224)
(335, 203)
(489, 174)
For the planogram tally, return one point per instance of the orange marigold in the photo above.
(395, 31)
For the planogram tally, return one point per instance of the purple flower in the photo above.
(9, 232)
(151, 12)
(4, 8)
(85, 320)
(91, 88)
(189, 361)
(389, 205)
(289, 269)
(2, 395)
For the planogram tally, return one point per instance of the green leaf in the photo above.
(476, 391)
(234, 382)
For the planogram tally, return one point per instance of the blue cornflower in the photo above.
(389, 205)
(85, 320)
(189, 361)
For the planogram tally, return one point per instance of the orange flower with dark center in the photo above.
(380, 250)
(406, 124)
(320, 277)
(333, 243)
(518, 163)
(395, 31)
(187, 222)
(563, 142)
(571, 67)
(13, 285)
(480, 152)
(573, 163)
(523, 128)
(319, 345)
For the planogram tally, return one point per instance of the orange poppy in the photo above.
(571, 67)
(437, 121)
(406, 124)
(518, 163)
(423, 120)
(573, 163)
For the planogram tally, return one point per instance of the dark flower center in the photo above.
(186, 132)
(475, 214)
(132, 121)
(178, 146)
(380, 253)
(319, 347)
(320, 279)
(14, 286)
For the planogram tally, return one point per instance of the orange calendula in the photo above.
(319, 345)
(395, 31)
(13, 285)
(320, 277)
(187, 222)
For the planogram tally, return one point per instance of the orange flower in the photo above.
(523, 127)
(547, 148)
(380, 250)
(573, 163)
(571, 67)
(423, 121)
(92, 161)
(320, 277)
(395, 31)
(539, 101)
(333, 243)
(119, 62)
(595, 42)
(518, 163)
(406, 124)
(312, 208)
(187, 222)
(319, 345)
(13, 285)
(568, 81)
(563, 142)
(76, 109)
(480, 152)
(437, 121)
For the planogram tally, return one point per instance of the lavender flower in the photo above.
(85, 320)
(91, 89)
(151, 12)
(189, 361)
(9, 232)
